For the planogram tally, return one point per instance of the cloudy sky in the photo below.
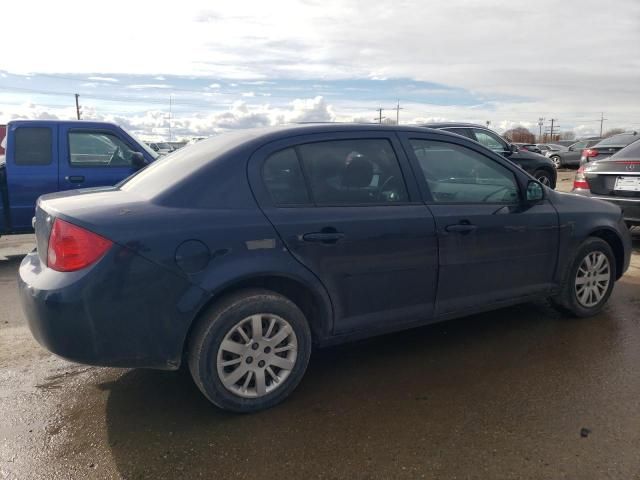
(199, 67)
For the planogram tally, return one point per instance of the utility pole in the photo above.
(398, 108)
(540, 125)
(553, 120)
(77, 106)
(380, 117)
(602, 119)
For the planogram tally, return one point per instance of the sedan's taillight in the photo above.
(589, 153)
(580, 181)
(72, 248)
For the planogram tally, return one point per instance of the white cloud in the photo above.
(103, 79)
(144, 86)
(214, 85)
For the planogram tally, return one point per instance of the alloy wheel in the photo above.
(556, 161)
(544, 179)
(592, 279)
(257, 355)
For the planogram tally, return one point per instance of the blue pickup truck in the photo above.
(44, 156)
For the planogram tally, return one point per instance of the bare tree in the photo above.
(520, 135)
(612, 132)
(567, 136)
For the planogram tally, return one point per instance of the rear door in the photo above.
(92, 157)
(492, 247)
(31, 169)
(347, 207)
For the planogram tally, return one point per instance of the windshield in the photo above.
(621, 139)
(164, 146)
(146, 147)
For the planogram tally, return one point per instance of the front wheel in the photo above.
(557, 162)
(589, 280)
(250, 351)
(544, 178)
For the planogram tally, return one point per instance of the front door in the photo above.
(492, 246)
(344, 209)
(93, 158)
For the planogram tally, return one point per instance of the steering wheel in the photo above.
(384, 184)
(501, 189)
(117, 153)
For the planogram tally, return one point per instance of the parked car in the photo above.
(608, 146)
(51, 155)
(571, 157)
(615, 179)
(536, 165)
(237, 254)
(530, 147)
(548, 148)
(161, 148)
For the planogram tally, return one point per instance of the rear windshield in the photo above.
(630, 151)
(621, 139)
(172, 169)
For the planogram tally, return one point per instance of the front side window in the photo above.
(456, 174)
(98, 149)
(353, 172)
(579, 145)
(490, 140)
(283, 178)
(33, 146)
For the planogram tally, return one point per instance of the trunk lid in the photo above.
(619, 178)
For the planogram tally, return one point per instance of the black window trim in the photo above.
(310, 195)
(95, 130)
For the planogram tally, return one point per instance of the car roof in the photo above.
(438, 125)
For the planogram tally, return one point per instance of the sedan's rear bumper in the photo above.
(630, 206)
(123, 311)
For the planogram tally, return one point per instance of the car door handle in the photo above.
(460, 228)
(323, 237)
(74, 178)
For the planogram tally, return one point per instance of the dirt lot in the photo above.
(498, 395)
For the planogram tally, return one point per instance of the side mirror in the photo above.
(138, 161)
(535, 192)
(570, 149)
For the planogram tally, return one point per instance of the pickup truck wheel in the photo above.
(589, 281)
(250, 351)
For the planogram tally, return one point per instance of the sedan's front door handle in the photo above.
(460, 228)
(74, 178)
(323, 237)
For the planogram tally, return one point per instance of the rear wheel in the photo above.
(556, 160)
(589, 281)
(250, 351)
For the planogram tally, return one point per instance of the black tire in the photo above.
(544, 178)
(567, 300)
(217, 321)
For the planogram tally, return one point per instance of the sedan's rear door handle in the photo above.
(74, 178)
(323, 237)
(460, 228)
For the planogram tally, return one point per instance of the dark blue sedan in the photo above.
(239, 253)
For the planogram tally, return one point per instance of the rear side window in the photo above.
(33, 146)
(283, 178)
(353, 172)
